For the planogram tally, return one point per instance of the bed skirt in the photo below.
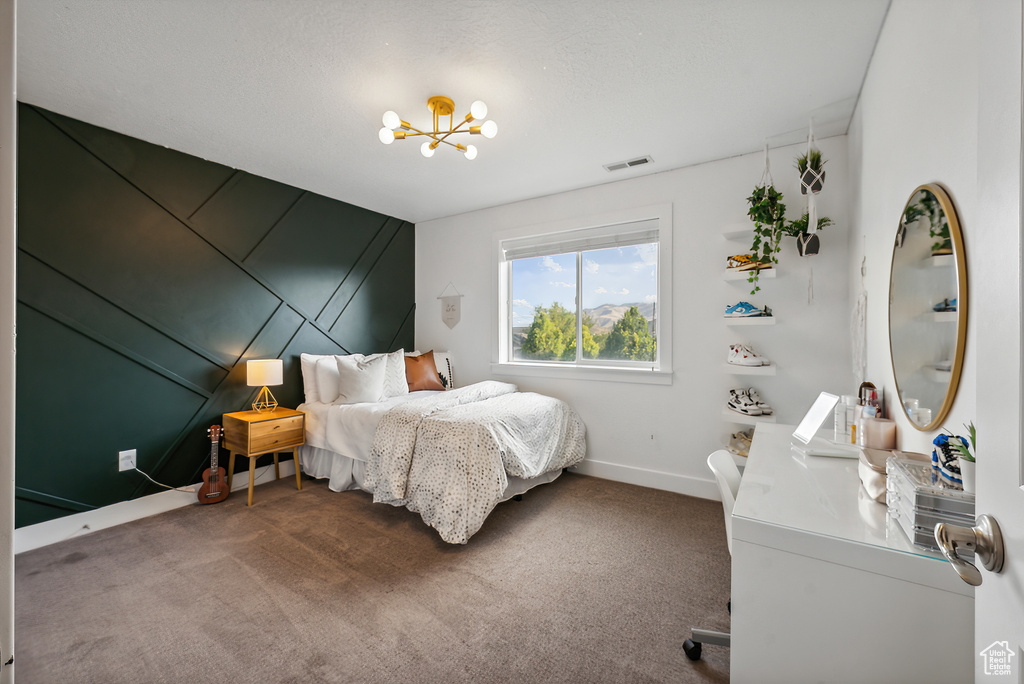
(343, 473)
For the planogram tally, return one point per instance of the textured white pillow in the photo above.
(395, 384)
(309, 385)
(360, 380)
(327, 382)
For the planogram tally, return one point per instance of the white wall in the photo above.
(656, 435)
(916, 122)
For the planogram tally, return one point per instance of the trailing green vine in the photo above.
(768, 214)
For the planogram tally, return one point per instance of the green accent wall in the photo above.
(146, 278)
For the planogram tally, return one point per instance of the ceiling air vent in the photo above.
(639, 161)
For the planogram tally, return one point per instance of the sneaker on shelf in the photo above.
(740, 262)
(744, 310)
(755, 398)
(743, 355)
(739, 442)
(739, 401)
(944, 457)
(945, 305)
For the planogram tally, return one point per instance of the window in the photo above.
(586, 298)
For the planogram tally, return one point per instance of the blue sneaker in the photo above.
(944, 457)
(745, 310)
(945, 305)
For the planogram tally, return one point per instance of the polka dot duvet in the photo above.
(447, 456)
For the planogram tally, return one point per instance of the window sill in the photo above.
(605, 374)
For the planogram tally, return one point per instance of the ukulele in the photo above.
(215, 481)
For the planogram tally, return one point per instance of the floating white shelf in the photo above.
(737, 233)
(734, 417)
(935, 375)
(752, 320)
(749, 370)
(940, 260)
(943, 316)
(733, 274)
(740, 461)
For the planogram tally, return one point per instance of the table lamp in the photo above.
(264, 372)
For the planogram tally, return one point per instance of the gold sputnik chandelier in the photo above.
(439, 106)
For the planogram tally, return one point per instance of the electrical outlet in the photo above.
(126, 460)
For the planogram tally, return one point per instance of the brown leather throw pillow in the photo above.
(421, 372)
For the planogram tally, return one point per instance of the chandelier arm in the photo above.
(454, 130)
(455, 145)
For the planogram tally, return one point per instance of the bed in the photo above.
(449, 454)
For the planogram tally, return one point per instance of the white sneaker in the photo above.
(740, 402)
(755, 398)
(742, 355)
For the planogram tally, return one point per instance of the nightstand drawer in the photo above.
(276, 441)
(266, 428)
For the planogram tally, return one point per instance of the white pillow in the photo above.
(309, 385)
(327, 379)
(360, 380)
(395, 384)
(443, 361)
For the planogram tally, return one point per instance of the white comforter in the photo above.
(446, 456)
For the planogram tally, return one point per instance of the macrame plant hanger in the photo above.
(767, 173)
(811, 181)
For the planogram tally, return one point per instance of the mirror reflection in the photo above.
(927, 302)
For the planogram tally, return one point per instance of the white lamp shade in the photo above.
(264, 372)
(426, 150)
(489, 129)
(386, 135)
(478, 110)
(470, 152)
(391, 120)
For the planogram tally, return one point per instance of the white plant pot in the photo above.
(967, 473)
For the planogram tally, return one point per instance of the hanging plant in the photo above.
(806, 243)
(938, 225)
(812, 171)
(768, 214)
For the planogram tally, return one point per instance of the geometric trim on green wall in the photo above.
(146, 279)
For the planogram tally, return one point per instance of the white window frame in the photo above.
(660, 219)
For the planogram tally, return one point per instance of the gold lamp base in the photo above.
(265, 401)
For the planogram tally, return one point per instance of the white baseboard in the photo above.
(77, 524)
(53, 531)
(655, 479)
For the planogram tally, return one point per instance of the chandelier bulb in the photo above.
(391, 120)
(470, 152)
(426, 150)
(386, 135)
(478, 109)
(489, 129)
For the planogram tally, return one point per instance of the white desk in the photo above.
(825, 588)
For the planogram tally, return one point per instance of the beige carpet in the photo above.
(585, 580)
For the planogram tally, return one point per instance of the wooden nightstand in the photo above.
(253, 434)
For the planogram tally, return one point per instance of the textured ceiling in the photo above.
(294, 89)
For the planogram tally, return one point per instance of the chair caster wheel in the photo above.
(692, 649)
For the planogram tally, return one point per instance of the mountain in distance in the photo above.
(606, 315)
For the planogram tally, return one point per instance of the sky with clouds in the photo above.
(619, 275)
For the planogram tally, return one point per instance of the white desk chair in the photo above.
(727, 475)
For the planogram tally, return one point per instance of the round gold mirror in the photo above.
(927, 306)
